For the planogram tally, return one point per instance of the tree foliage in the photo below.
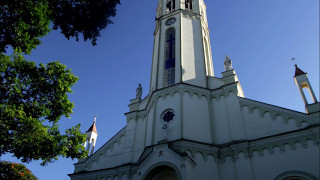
(33, 99)
(24, 22)
(10, 171)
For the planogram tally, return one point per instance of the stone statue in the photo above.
(139, 92)
(228, 64)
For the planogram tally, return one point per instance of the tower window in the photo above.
(171, 5)
(170, 60)
(188, 4)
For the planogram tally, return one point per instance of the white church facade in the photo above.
(194, 126)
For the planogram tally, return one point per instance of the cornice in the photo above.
(225, 90)
(275, 111)
(180, 88)
(128, 169)
(175, 12)
(191, 89)
(219, 152)
(248, 147)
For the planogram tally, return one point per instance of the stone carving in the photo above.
(164, 128)
(228, 64)
(139, 92)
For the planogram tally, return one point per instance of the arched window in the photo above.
(171, 5)
(188, 4)
(170, 58)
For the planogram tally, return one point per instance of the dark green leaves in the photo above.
(24, 22)
(33, 97)
(82, 17)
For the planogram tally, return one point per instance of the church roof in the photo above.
(93, 128)
(298, 71)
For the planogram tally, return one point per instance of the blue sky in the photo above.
(259, 36)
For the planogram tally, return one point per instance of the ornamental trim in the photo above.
(233, 149)
(275, 111)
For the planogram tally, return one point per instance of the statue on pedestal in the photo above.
(228, 64)
(139, 92)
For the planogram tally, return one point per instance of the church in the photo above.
(195, 126)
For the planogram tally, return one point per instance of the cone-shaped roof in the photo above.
(93, 128)
(298, 71)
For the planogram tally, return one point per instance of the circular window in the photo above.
(170, 21)
(167, 116)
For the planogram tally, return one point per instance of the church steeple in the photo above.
(302, 81)
(182, 51)
(92, 135)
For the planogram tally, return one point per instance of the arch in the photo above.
(188, 5)
(170, 57)
(162, 171)
(171, 5)
(200, 155)
(175, 92)
(295, 175)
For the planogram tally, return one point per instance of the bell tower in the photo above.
(91, 138)
(302, 81)
(181, 51)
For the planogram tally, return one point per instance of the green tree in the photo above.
(33, 99)
(14, 171)
(24, 22)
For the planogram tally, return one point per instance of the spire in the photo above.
(93, 126)
(298, 71)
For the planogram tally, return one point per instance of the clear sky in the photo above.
(260, 37)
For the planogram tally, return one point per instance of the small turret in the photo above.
(91, 139)
(302, 81)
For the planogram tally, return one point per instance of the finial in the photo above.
(95, 119)
(227, 57)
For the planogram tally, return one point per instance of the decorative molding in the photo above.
(233, 149)
(136, 114)
(275, 111)
(183, 146)
(191, 89)
(225, 90)
(219, 152)
(128, 169)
